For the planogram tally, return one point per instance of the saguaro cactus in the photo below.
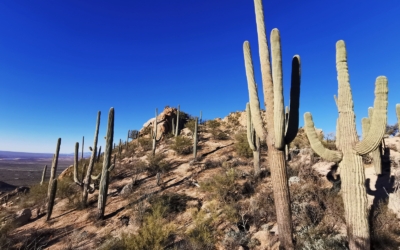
(195, 138)
(350, 149)
(398, 114)
(154, 134)
(86, 183)
(254, 141)
(43, 174)
(107, 167)
(276, 137)
(177, 121)
(51, 193)
(377, 153)
(99, 154)
(83, 142)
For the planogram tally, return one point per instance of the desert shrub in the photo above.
(262, 208)
(222, 186)
(301, 140)
(155, 232)
(202, 234)
(36, 197)
(385, 228)
(213, 124)
(172, 202)
(242, 145)
(157, 163)
(182, 145)
(70, 191)
(219, 134)
(145, 143)
(209, 164)
(392, 129)
(233, 118)
(190, 124)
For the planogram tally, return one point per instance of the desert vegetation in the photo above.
(255, 180)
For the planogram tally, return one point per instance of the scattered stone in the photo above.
(294, 180)
(22, 217)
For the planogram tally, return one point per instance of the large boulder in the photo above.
(164, 122)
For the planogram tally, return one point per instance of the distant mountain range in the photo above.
(24, 155)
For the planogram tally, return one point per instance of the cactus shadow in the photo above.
(384, 184)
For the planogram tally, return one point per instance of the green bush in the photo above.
(155, 232)
(222, 186)
(145, 143)
(219, 134)
(182, 145)
(242, 145)
(157, 163)
(213, 124)
(190, 124)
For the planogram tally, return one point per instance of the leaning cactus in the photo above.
(86, 183)
(377, 153)
(254, 141)
(103, 188)
(350, 149)
(83, 142)
(276, 137)
(51, 193)
(43, 174)
(195, 140)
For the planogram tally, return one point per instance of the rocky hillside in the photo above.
(171, 200)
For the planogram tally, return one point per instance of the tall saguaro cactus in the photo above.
(177, 121)
(51, 193)
(86, 183)
(254, 141)
(350, 149)
(43, 174)
(398, 114)
(107, 167)
(276, 137)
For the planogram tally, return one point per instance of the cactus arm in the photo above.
(365, 124)
(279, 108)
(43, 174)
(398, 113)
(370, 112)
(103, 187)
(293, 122)
(250, 133)
(316, 145)
(76, 180)
(378, 121)
(86, 185)
(253, 95)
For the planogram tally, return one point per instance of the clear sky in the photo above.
(62, 61)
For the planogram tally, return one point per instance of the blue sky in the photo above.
(62, 61)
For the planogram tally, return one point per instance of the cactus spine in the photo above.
(107, 167)
(254, 141)
(276, 137)
(195, 138)
(350, 149)
(51, 193)
(86, 183)
(43, 174)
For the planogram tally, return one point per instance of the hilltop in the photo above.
(213, 202)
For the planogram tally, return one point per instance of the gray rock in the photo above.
(22, 217)
(127, 189)
(294, 180)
